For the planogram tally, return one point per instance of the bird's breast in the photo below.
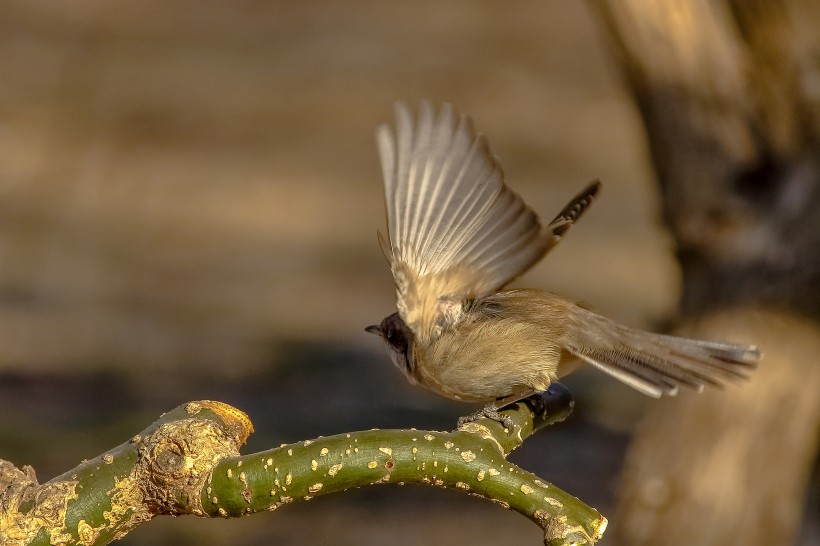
(488, 357)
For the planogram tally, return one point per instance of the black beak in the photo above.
(374, 329)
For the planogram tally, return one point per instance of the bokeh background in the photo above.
(189, 196)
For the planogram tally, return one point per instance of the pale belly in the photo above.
(484, 362)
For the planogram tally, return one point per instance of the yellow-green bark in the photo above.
(188, 462)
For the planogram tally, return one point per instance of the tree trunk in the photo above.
(728, 94)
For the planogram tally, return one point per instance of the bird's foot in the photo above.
(490, 411)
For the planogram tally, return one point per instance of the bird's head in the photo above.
(398, 338)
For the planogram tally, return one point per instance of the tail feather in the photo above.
(658, 364)
(642, 379)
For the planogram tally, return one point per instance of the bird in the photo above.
(457, 235)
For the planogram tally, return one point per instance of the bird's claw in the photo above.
(490, 412)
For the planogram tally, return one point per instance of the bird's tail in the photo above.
(657, 364)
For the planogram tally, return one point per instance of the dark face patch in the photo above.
(395, 331)
(399, 339)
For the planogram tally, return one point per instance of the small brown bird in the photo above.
(457, 235)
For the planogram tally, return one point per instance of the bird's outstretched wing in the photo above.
(456, 232)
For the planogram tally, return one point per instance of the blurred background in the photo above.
(189, 199)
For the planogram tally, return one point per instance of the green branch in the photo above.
(188, 462)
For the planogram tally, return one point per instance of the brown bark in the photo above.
(725, 91)
(728, 467)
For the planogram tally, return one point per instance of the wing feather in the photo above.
(456, 231)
